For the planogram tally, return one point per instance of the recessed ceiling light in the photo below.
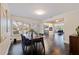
(40, 12)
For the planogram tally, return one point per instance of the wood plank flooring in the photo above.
(50, 44)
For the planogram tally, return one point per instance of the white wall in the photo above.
(5, 35)
(71, 21)
(25, 19)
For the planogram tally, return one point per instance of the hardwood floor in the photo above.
(56, 43)
(16, 49)
(59, 42)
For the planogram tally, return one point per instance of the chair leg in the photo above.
(32, 49)
(23, 48)
(43, 46)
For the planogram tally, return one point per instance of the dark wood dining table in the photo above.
(37, 40)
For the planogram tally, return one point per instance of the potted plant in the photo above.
(77, 29)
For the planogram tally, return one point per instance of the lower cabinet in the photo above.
(74, 44)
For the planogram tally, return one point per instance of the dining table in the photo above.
(36, 40)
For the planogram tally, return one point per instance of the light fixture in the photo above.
(39, 12)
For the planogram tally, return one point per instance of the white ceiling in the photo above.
(52, 9)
